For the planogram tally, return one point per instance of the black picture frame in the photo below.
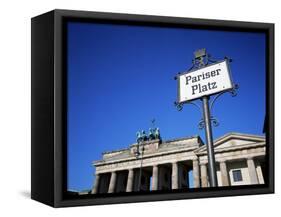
(48, 69)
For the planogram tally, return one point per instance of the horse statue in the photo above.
(151, 134)
(157, 133)
(141, 136)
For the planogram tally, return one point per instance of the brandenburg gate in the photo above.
(171, 164)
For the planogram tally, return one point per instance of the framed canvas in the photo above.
(133, 108)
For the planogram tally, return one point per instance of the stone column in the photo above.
(224, 174)
(175, 176)
(130, 181)
(96, 186)
(155, 178)
(112, 182)
(260, 175)
(196, 176)
(252, 171)
(204, 180)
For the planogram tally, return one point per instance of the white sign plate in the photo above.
(206, 81)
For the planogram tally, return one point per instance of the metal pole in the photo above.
(141, 168)
(209, 141)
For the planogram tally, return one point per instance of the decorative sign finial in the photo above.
(200, 58)
(200, 53)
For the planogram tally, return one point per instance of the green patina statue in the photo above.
(157, 133)
(153, 133)
(141, 136)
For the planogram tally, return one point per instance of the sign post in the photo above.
(205, 78)
(209, 141)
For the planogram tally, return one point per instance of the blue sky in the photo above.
(120, 77)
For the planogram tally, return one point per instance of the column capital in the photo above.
(222, 161)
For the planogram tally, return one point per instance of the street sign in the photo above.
(205, 81)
